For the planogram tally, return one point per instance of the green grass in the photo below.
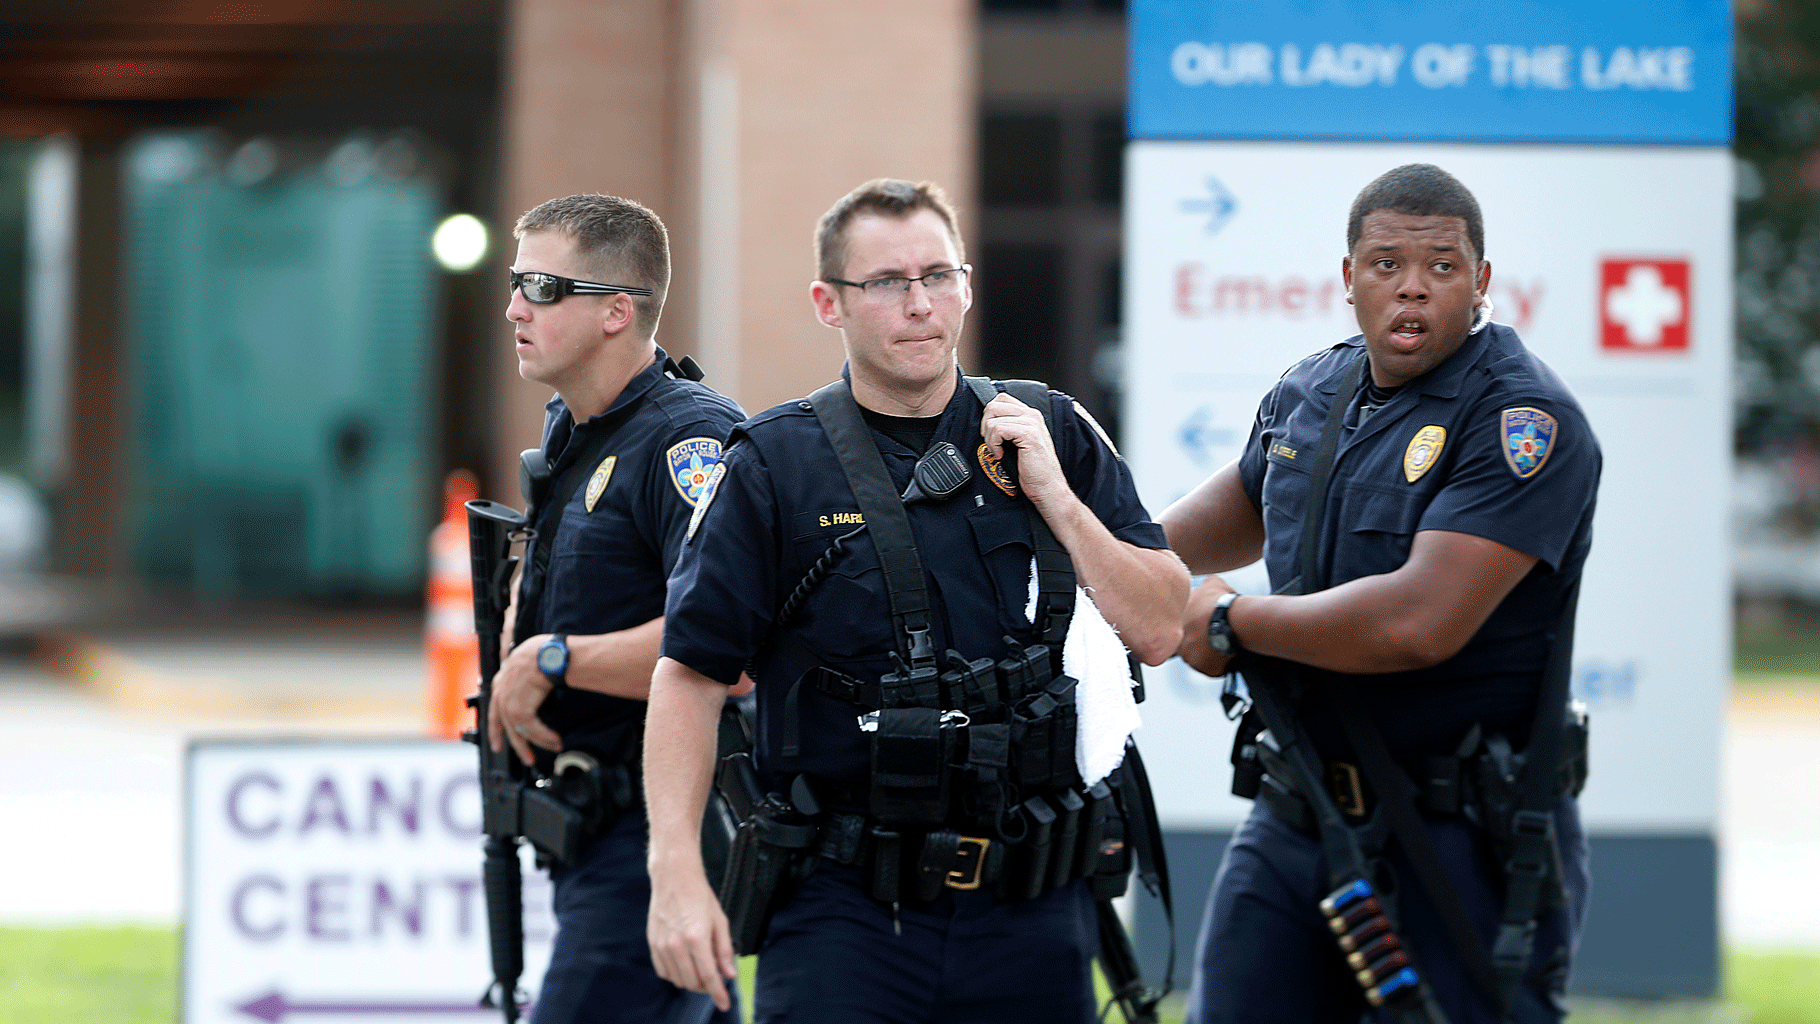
(129, 976)
(1787, 649)
(93, 975)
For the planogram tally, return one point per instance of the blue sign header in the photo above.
(1609, 71)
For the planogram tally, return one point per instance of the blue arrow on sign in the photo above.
(273, 1006)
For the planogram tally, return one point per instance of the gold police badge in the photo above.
(1423, 452)
(598, 482)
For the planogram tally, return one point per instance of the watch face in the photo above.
(551, 658)
(1219, 641)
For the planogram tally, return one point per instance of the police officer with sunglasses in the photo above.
(629, 441)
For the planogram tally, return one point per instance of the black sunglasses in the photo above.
(543, 288)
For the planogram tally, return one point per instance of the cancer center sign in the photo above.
(338, 882)
(1594, 136)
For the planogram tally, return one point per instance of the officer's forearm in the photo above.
(680, 740)
(1418, 616)
(618, 663)
(1215, 527)
(1140, 591)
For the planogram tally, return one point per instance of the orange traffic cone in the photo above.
(451, 650)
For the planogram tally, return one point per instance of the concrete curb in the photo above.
(131, 685)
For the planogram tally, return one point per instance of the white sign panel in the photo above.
(338, 882)
(1613, 264)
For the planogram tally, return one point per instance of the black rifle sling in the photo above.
(1274, 684)
(1534, 852)
(1054, 566)
(1320, 476)
(1397, 800)
(537, 573)
(1146, 838)
(1345, 858)
(885, 517)
(1396, 794)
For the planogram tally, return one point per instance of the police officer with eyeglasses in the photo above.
(629, 441)
(879, 602)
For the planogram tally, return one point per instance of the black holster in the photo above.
(1492, 793)
(580, 799)
(771, 850)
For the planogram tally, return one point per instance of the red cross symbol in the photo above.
(1643, 305)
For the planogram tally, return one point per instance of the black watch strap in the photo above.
(1219, 629)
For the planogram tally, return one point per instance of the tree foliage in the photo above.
(1778, 239)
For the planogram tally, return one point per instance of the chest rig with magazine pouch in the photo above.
(973, 781)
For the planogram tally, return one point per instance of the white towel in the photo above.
(1106, 713)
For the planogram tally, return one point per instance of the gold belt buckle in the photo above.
(959, 879)
(1343, 780)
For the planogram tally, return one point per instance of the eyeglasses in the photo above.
(938, 283)
(543, 288)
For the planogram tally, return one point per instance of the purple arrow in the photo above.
(272, 1007)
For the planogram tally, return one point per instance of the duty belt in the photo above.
(1069, 836)
(1441, 783)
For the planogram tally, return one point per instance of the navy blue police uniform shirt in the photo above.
(620, 531)
(780, 500)
(1490, 443)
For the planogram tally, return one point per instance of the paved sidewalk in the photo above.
(1769, 845)
(91, 757)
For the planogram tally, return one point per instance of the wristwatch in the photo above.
(553, 660)
(1219, 631)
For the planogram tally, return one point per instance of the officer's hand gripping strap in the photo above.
(1054, 566)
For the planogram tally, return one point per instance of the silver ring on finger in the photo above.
(521, 729)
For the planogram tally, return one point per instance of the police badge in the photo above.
(1423, 452)
(691, 462)
(1529, 435)
(598, 482)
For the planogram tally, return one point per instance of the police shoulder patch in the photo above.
(1423, 452)
(597, 484)
(707, 498)
(691, 462)
(1529, 436)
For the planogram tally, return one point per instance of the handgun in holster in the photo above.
(772, 842)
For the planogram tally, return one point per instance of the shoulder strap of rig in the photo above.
(1054, 567)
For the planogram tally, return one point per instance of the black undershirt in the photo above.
(1372, 399)
(913, 432)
